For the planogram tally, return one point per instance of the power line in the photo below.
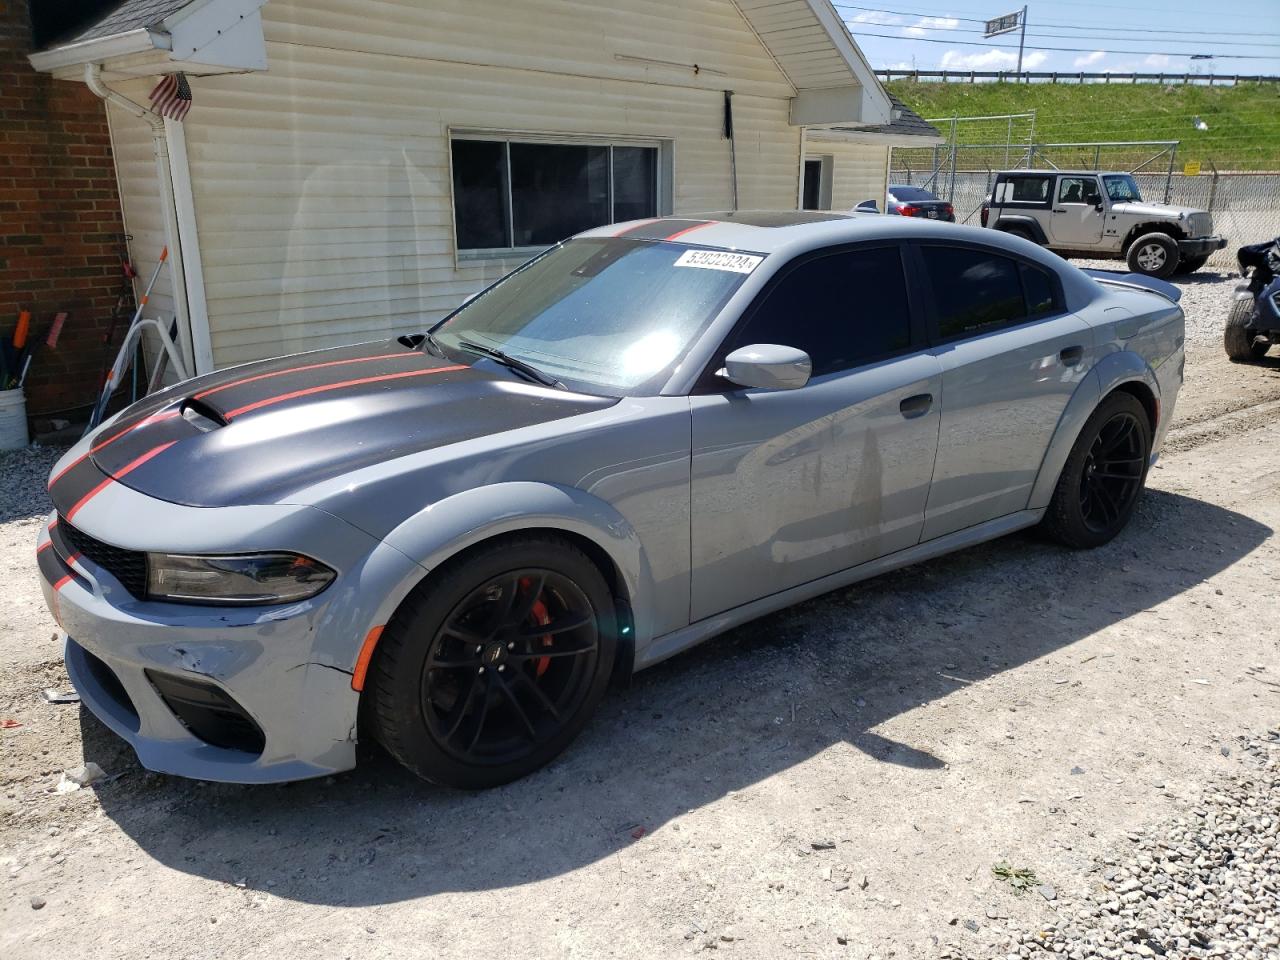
(1069, 26)
(1007, 46)
(1067, 36)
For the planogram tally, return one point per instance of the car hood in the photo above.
(256, 433)
(1153, 209)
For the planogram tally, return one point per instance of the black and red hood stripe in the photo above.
(251, 433)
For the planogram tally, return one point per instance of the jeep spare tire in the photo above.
(1154, 254)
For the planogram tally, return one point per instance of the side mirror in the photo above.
(866, 206)
(768, 366)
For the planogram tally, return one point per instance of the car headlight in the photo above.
(252, 578)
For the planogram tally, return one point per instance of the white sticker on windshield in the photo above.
(719, 260)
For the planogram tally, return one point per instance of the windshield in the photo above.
(606, 315)
(1121, 188)
(910, 193)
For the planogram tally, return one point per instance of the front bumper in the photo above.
(1201, 246)
(234, 694)
(305, 711)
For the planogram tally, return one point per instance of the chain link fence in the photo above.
(1245, 206)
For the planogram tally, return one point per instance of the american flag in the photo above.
(172, 96)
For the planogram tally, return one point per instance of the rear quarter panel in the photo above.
(1138, 337)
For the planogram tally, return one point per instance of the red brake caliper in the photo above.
(542, 618)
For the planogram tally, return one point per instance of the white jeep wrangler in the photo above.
(1091, 214)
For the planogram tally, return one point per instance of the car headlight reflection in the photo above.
(253, 578)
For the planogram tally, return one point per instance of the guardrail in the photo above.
(1010, 76)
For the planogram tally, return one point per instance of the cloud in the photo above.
(877, 19)
(1156, 60)
(1089, 59)
(925, 24)
(990, 60)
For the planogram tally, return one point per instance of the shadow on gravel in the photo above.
(721, 718)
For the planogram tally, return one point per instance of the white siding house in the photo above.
(353, 168)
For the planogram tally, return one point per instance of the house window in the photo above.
(515, 194)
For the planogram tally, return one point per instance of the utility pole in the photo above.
(1022, 39)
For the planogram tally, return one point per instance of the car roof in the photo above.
(790, 233)
(1067, 173)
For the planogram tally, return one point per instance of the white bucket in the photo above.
(13, 420)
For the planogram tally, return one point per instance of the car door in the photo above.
(1011, 357)
(791, 485)
(1078, 213)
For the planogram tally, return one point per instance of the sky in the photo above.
(1125, 36)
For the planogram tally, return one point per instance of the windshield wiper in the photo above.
(433, 345)
(513, 363)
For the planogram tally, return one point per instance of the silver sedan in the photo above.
(452, 541)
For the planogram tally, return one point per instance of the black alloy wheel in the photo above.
(494, 663)
(512, 660)
(1113, 472)
(1103, 476)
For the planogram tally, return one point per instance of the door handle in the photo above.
(1070, 356)
(1058, 210)
(916, 406)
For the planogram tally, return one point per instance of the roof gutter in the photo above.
(97, 50)
(168, 209)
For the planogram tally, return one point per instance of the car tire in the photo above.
(464, 688)
(1242, 344)
(1191, 264)
(1104, 475)
(1154, 255)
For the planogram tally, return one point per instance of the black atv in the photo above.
(1253, 325)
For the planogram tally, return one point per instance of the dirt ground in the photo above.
(836, 780)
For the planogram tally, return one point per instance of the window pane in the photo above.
(557, 190)
(1029, 189)
(973, 289)
(843, 309)
(480, 194)
(611, 313)
(910, 194)
(1038, 287)
(1071, 190)
(635, 183)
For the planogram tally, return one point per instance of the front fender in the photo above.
(1120, 366)
(449, 526)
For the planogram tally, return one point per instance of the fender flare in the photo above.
(444, 529)
(1031, 224)
(1113, 370)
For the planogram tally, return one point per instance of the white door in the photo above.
(1078, 213)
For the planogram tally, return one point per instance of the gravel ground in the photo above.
(837, 780)
(1204, 884)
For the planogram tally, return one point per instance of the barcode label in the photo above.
(719, 260)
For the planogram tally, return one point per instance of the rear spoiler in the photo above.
(1137, 281)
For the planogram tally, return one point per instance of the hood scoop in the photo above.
(201, 415)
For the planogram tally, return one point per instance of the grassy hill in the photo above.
(1244, 121)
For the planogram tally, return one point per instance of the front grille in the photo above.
(208, 712)
(1200, 224)
(127, 566)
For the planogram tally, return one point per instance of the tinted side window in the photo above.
(842, 309)
(1040, 290)
(1026, 189)
(973, 290)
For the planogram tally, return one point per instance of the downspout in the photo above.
(93, 80)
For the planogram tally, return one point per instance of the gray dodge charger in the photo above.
(653, 432)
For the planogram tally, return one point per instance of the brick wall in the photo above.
(60, 221)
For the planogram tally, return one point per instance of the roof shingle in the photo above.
(129, 15)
